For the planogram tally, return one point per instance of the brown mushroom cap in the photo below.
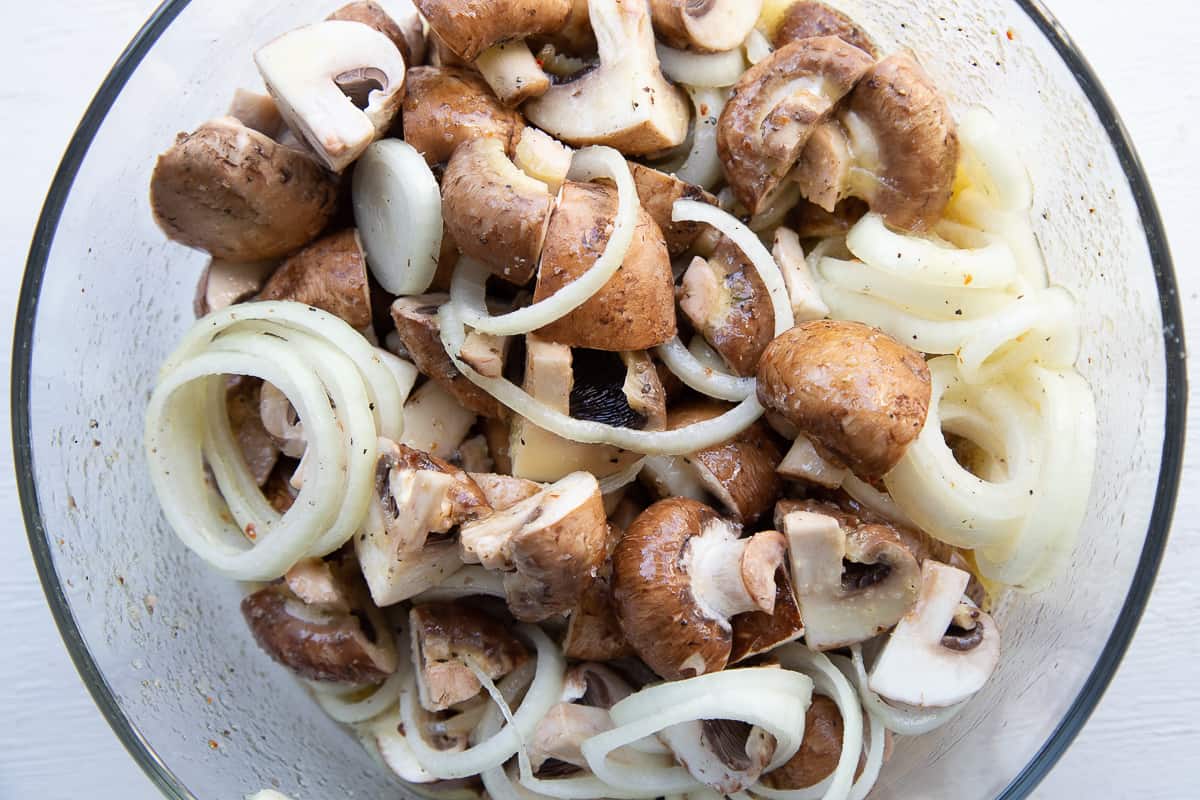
(446, 106)
(819, 751)
(635, 310)
(756, 632)
(823, 171)
(496, 213)
(329, 274)
(409, 38)
(504, 491)
(257, 112)
(708, 26)
(444, 635)
(851, 388)
(808, 19)
(810, 221)
(594, 632)
(658, 192)
(774, 108)
(468, 27)
(236, 194)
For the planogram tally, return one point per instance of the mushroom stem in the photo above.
(733, 576)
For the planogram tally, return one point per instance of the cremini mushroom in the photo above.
(803, 294)
(726, 755)
(819, 750)
(943, 650)
(513, 72)
(446, 106)
(224, 283)
(548, 545)
(329, 274)
(444, 637)
(804, 462)
(469, 27)
(541, 156)
(809, 19)
(810, 221)
(708, 26)
(851, 583)
(625, 102)
(851, 388)
(679, 574)
(257, 112)
(258, 447)
(504, 491)
(757, 632)
(404, 27)
(658, 192)
(774, 108)
(233, 192)
(496, 213)
(635, 309)
(593, 631)
(435, 421)
(589, 690)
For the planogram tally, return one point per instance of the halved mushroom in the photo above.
(417, 324)
(658, 192)
(943, 650)
(802, 290)
(415, 495)
(258, 447)
(468, 28)
(338, 84)
(329, 274)
(342, 638)
(405, 29)
(819, 750)
(625, 102)
(725, 755)
(496, 213)
(850, 388)
(774, 109)
(635, 309)
(549, 545)
(444, 637)
(512, 72)
(235, 193)
(679, 574)
(728, 304)
(708, 26)
(257, 112)
(851, 584)
(224, 283)
(809, 19)
(446, 106)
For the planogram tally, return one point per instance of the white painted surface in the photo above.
(1144, 739)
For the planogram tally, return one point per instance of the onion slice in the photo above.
(705, 70)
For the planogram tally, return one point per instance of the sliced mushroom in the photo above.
(851, 584)
(504, 491)
(496, 213)
(803, 294)
(819, 750)
(405, 29)
(329, 274)
(541, 156)
(625, 102)
(258, 447)
(257, 112)
(635, 310)
(728, 304)
(809, 19)
(224, 283)
(725, 755)
(469, 27)
(417, 324)
(943, 650)
(434, 421)
(757, 632)
(708, 26)
(774, 109)
(230, 191)
(658, 192)
(342, 100)
(512, 72)
(444, 637)
(679, 574)
(549, 546)
(446, 106)
(850, 388)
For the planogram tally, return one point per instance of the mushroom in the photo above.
(446, 106)
(679, 574)
(278, 489)
(943, 650)
(804, 462)
(589, 690)
(259, 450)
(894, 146)
(757, 632)
(625, 102)
(338, 84)
(496, 213)
(810, 221)
(484, 353)
(774, 109)
(417, 325)
(727, 302)
(708, 26)
(726, 755)
(343, 638)
(444, 637)
(329, 274)
(635, 309)
(434, 421)
(512, 72)
(225, 283)
(658, 192)
(468, 27)
(574, 35)
(809, 19)
(541, 156)
(850, 388)
(257, 112)
(851, 583)
(406, 30)
(415, 495)
(819, 750)
(548, 545)
(504, 491)
(233, 192)
(803, 294)
(593, 631)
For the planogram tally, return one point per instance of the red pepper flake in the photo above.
(208, 699)
(967, 280)
(1010, 34)
(251, 531)
(212, 744)
(704, 109)
(540, 63)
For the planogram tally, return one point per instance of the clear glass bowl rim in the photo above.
(1051, 750)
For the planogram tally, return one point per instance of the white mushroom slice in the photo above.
(942, 651)
(512, 72)
(338, 84)
(224, 283)
(434, 421)
(804, 463)
(801, 288)
(724, 755)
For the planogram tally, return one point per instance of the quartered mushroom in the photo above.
(819, 751)
(236, 194)
(943, 650)
(658, 192)
(469, 27)
(338, 84)
(757, 632)
(415, 495)
(548, 545)
(593, 631)
(224, 283)
(810, 19)
(589, 690)
(708, 26)
(257, 112)
(635, 309)
(851, 583)
(435, 421)
(774, 109)
(726, 755)
(329, 274)
(405, 29)
(624, 102)
(446, 106)
(852, 389)
(444, 637)
(679, 574)
(336, 634)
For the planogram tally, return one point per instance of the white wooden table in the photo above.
(1144, 740)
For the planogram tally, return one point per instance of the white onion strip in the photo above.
(470, 581)
(702, 166)
(684, 365)
(907, 720)
(705, 70)
(347, 707)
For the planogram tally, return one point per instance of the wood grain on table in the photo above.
(1144, 739)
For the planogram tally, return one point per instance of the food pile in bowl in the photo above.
(618, 398)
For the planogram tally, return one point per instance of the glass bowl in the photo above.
(157, 636)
